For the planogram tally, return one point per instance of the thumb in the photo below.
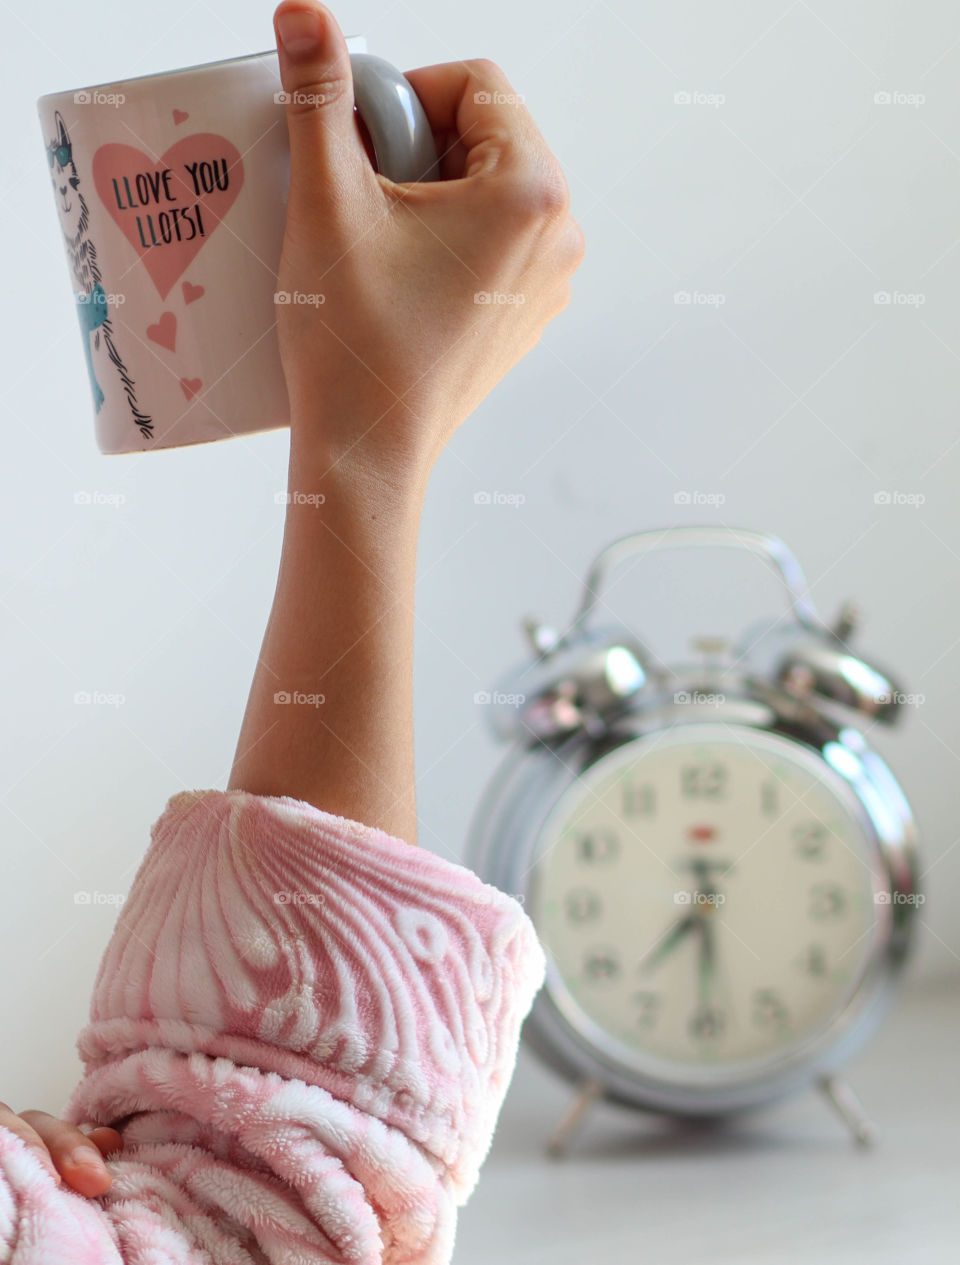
(327, 159)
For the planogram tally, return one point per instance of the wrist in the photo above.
(351, 522)
(381, 451)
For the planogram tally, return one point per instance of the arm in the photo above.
(341, 627)
(380, 375)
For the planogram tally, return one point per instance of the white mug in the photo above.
(171, 191)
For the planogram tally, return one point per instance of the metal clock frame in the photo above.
(797, 682)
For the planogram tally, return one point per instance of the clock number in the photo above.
(826, 901)
(596, 846)
(639, 801)
(703, 781)
(582, 905)
(810, 840)
(768, 1009)
(648, 1007)
(814, 961)
(600, 965)
(707, 1024)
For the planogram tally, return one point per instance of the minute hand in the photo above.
(707, 961)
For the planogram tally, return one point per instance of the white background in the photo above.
(797, 399)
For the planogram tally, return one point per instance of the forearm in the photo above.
(341, 627)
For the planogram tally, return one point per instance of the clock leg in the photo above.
(588, 1093)
(849, 1108)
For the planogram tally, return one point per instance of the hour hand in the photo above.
(668, 942)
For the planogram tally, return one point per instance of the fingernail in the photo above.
(85, 1157)
(300, 30)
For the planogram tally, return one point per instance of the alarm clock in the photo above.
(721, 871)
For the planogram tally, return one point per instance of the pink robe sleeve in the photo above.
(305, 1029)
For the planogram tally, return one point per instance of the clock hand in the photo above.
(707, 1022)
(668, 943)
(707, 961)
(701, 867)
(696, 919)
(704, 910)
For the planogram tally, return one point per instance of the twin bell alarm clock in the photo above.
(722, 872)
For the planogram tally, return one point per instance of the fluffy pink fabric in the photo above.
(305, 1029)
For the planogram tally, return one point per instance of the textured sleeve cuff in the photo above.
(294, 941)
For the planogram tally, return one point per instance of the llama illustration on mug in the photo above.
(91, 298)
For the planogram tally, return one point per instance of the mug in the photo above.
(171, 191)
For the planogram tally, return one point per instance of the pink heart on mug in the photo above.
(180, 116)
(164, 332)
(190, 386)
(191, 292)
(168, 209)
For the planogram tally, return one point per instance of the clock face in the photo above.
(705, 896)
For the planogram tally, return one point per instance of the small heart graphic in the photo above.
(191, 292)
(164, 332)
(180, 116)
(190, 386)
(168, 208)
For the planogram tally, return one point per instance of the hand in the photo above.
(384, 369)
(65, 1151)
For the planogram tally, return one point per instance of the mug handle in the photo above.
(396, 120)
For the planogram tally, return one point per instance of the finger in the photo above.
(479, 121)
(15, 1124)
(76, 1157)
(107, 1140)
(328, 162)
